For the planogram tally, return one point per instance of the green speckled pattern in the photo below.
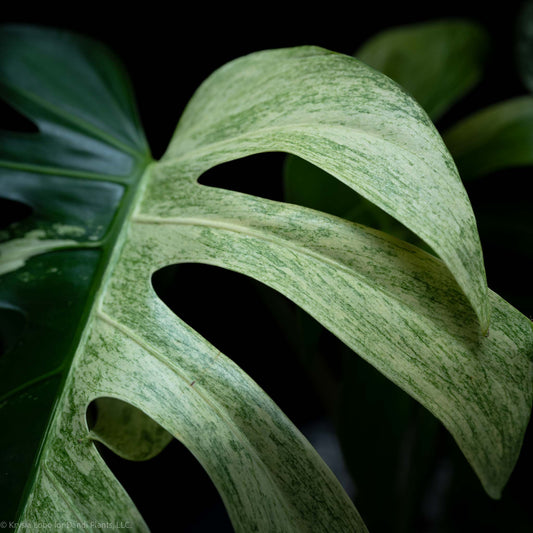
(324, 107)
(414, 317)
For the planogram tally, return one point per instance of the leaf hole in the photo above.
(259, 175)
(12, 326)
(309, 186)
(280, 346)
(125, 429)
(12, 120)
(242, 318)
(12, 211)
(287, 178)
(156, 483)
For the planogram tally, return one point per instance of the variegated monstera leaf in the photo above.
(76, 281)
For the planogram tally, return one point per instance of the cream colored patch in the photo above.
(15, 253)
(64, 230)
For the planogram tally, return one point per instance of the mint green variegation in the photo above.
(413, 323)
(420, 320)
(322, 107)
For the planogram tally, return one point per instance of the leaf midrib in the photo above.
(111, 248)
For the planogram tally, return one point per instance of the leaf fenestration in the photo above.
(414, 317)
(393, 304)
(85, 170)
(352, 122)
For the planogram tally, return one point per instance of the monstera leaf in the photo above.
(76, 282)
(437, 62)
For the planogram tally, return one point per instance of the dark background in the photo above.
(169, 50)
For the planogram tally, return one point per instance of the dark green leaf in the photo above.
(74, 175)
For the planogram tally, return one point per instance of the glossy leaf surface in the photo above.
(408, 55)
(389, 153)
(437, 62)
